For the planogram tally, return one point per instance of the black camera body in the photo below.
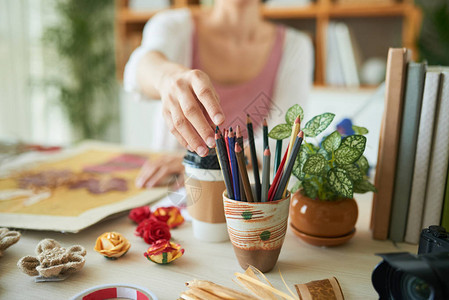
(423, 276)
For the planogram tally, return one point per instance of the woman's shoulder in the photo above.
(297, 38)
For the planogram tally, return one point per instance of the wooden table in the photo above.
(299, 262)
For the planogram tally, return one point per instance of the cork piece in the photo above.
(328, 289)
(7, 238)
(52, 260)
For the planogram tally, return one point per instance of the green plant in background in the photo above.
(336, 168)
(433, 41)
(83, 40)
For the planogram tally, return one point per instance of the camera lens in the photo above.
(414, 288)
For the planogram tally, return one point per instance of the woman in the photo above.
(212, 68)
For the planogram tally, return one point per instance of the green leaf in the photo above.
(292, 113)
(364, 186)
(318, 124)
(332, 141)
(296, 186)
(353, 172)
(350, 150)
(327, 155)
(315, 164)
(280, 132)
(340, 182)
(363, 164)
(310, 189)
(359, 130)
(299, 163)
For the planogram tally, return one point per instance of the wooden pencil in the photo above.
(239, 140)
(295, 129)
(289, 167)
(243, 173)
(278, 176)
(226, 138)
(277, 156)
(265, 174)
(224, 163)
(234, 166)
(265, 134)
(255, 163)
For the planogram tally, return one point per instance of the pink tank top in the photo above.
(254, 97)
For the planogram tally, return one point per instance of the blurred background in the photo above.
(61, 62)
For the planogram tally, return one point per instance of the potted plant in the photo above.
(323, 211)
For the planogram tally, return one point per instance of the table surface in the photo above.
(299, 262)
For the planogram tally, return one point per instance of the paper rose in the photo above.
(7, 239)
(139, 214)
(170, 215)
(152, 230)
(52, 260)
(164, 252)
(112, 245)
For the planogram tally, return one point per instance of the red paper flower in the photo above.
(170, 215)
(164, 252)
(152, 230)
(139, 214)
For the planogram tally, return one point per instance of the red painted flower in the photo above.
(164, 252)
(170, 215)
(139, 214)
(152, 230)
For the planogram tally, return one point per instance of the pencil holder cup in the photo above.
(257, 230)
(204, 186)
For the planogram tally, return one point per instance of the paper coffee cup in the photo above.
(204, 187)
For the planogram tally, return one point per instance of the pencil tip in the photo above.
(265, 122)
(237, 149)
(297, 120)
(267, 151)
(230, 129)
(248, 119)
(238, 131)
(301, 134)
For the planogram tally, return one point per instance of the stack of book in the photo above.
(412, 166)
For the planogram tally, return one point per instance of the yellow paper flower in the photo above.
(112, 245)
(164, 252)
(170, 215)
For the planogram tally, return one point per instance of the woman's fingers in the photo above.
(156, 172)
(186, 130)
(147, 170)
(174, 131)
(204, 91)
(193, 112)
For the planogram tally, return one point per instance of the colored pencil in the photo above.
(255, 163)
(224, 163)
(289, 167)
(265, 174)
(243, 173)
(226, 138)
(234, 166)
(277, 178)
(239, 140)
(277, 156)
(295, 130)
(265, 134)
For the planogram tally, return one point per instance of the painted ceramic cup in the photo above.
(204, 186)
(257, 230)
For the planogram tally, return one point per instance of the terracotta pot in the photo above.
(323, 223)
(257, 230)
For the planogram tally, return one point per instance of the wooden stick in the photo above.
(289, 167)
(243, 173)
(249, 126)
(266, 174)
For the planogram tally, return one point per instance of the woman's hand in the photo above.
(158, 171)
(189, 103)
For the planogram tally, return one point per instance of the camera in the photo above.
(417, 277)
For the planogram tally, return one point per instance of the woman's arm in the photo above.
(188, 98)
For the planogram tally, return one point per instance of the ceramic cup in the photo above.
(257, 230)
(204, 186)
